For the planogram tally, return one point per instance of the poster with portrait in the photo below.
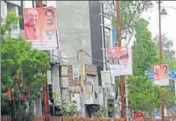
(120, 61)
(161, 75)
(40, 27)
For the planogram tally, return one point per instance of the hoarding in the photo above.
(106, 79)
(120, 61)
(161, 75)
(41, 28)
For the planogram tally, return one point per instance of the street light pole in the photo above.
(161, 58)
(122, 83)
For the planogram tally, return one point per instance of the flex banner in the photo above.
(106, 79)
(161, 74)
(120, 61)
(41, 28)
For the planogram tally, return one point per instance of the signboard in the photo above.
(157, 114)
(106, 79)
(64, 71)
(150, 74)
(161, 75)
(120, 61)
(75, 70)
(91, 70)
(41, 27)
(88, 89)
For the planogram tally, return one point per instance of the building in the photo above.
(89, 21)
(77, 20)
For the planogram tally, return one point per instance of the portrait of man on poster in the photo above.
(32, 31)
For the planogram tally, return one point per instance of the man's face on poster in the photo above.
(32, 17)
(50, 17)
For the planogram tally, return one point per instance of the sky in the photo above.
(168, 24)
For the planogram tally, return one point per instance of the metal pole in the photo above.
(81, 79)
(122, 83)
(45, 89)
(102, 36)
(161, 59)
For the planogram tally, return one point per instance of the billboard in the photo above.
(106, 79)
(150, 74)
(120, 61)
(40, 27)
(161, 75)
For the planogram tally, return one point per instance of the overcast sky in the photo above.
(168, 21)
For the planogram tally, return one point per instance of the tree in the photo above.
(68, 108)
(144, 49)
(168, 51)
(131, 12)
(143, 95)
(22, 71)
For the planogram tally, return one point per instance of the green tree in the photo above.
(131, 12)
(22, 71)
(68, 108)
(143, 95)
(144, 49)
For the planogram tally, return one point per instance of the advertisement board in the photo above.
(40, 27)
(120, 61)
(161, 75)
(106, 79)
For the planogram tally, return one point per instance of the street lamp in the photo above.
(163, 12)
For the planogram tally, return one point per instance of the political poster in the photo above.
(161, 75)
(120, 61)
(40, 27)
(106, 79)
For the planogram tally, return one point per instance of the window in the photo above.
(107, 37)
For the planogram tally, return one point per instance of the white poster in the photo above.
(120, 61)
(75, 70)
(88, 90)
(106, 79)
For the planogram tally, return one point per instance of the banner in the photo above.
(40, 27)
(161, 75)
(106, 79)
(89, 89)
(75, 70)
(120, 61)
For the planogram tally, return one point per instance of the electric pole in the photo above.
(122, 83)
(161, 58)
(81, 78)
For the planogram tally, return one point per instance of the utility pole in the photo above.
(161, 58)
(122, 83)
(81, 77)
(45, 88)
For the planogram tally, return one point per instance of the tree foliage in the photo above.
(68, 108)
(22, 69)
(144, 49)
(143, 95)
(130, 12)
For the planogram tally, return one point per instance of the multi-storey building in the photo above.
(88, 21)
